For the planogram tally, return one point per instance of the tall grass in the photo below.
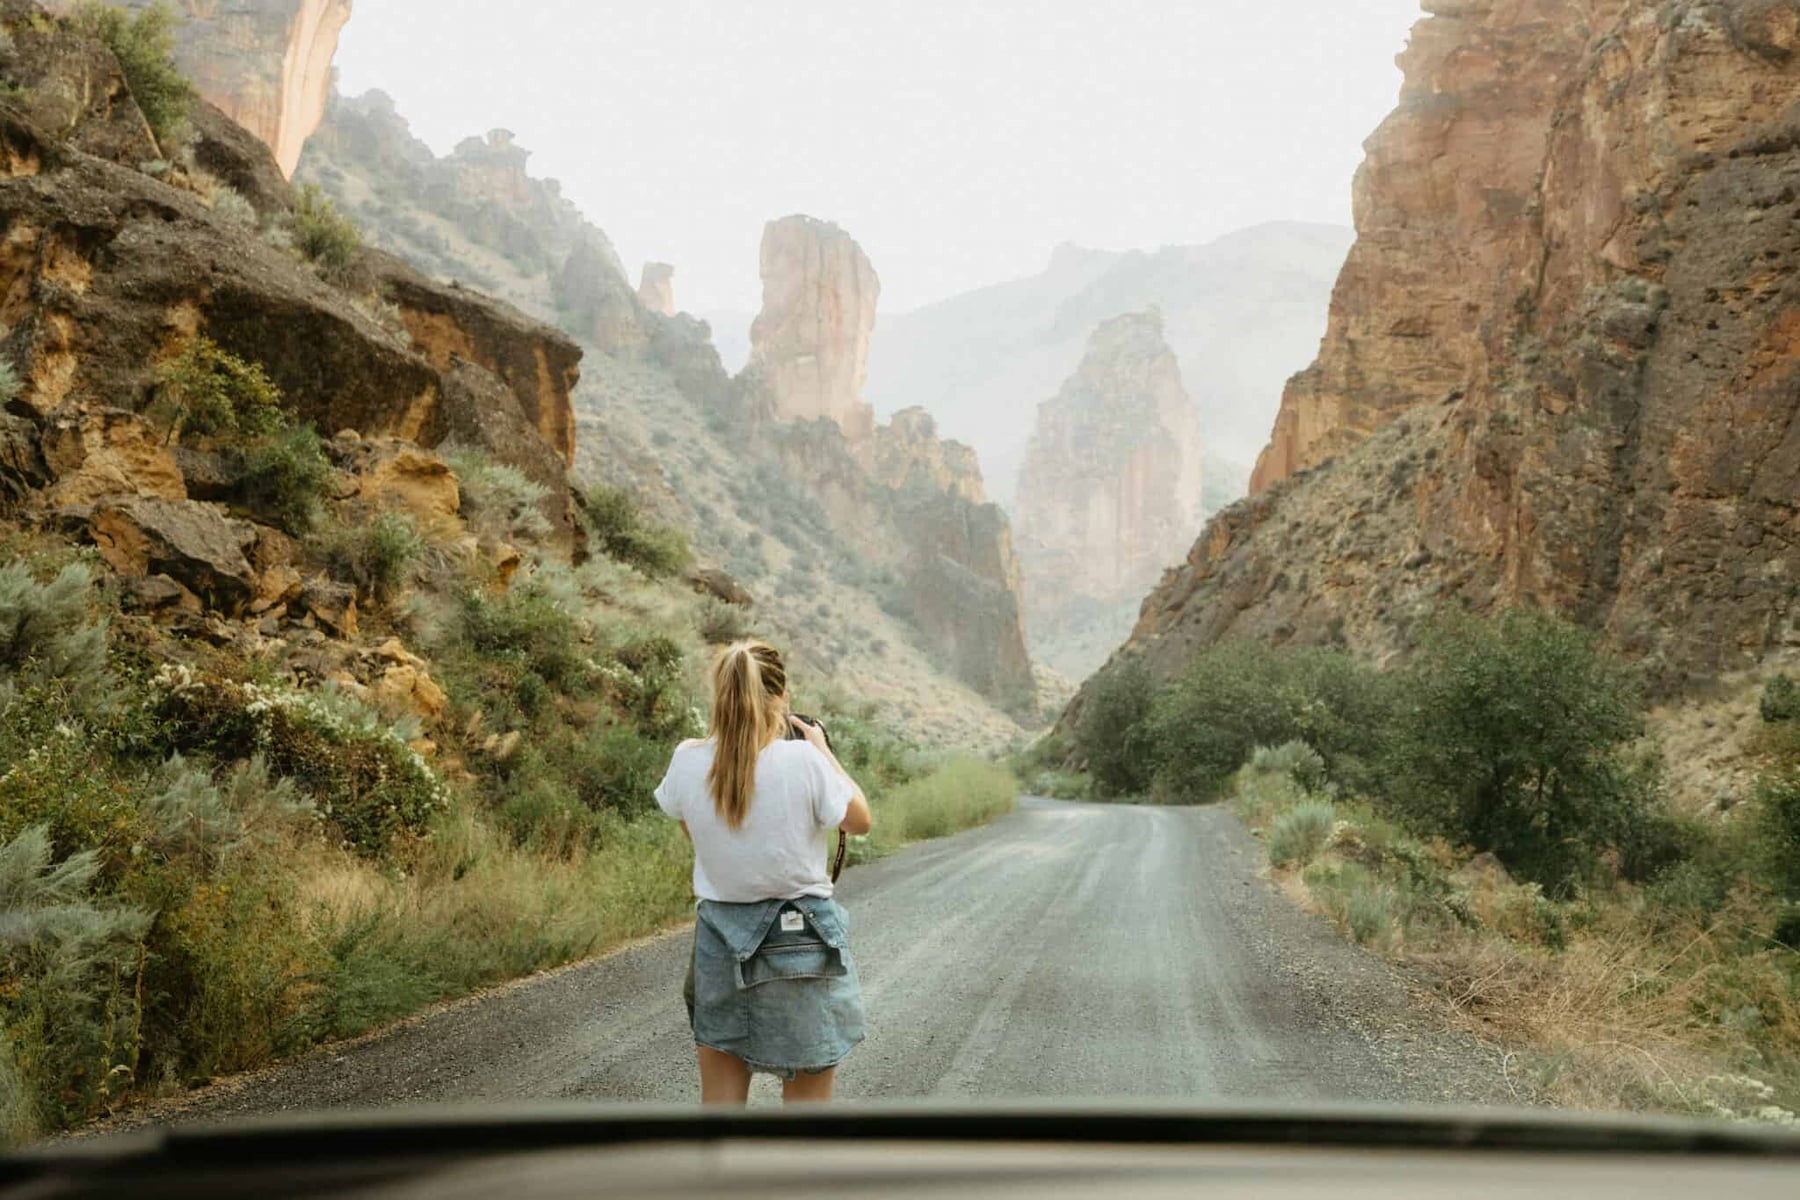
(958, 795)
(1669, 998)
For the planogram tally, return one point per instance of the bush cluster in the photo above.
(1512, 735)
(323, 235)
(211, 396)
(623, 534)
(144, 44)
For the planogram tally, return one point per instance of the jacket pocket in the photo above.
(795, 954)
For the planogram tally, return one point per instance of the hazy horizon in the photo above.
(959, 155)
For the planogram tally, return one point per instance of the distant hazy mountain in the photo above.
(1242, 314)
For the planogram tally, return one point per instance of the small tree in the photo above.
(1113, 735)
(321, 233)
(144, 44)
(1512, 739)
(1237, 696)
(209, 391)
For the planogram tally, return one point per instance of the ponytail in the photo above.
(749, 681)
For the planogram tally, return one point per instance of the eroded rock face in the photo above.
(105, 272)
(448, 325)
(1110, 493)
(1598, 417)
(810, 343)
(919, 514)
(265, 63)
(656, 288)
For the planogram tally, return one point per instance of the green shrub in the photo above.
(208, 391)
(287, 478)
(1778, 824)
(1237, 696)
(1368, 908)
(720, 623)
(1780, 700)
(377, 557)
(144, 44)
(230, 205)
(1512, 739)
(69, 965)
(1112, 735)
(48, 635)
(527, 626)
(1306, 765)
(647, 684)
(498, 500)
(623, 534)
(1299, 834)
(1058, 785)
(321, 234)
(362, 774)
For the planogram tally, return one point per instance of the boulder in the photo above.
(331, 604)
(238, 159)
(73, 89)
(158, 593)
(392, 474)
(710, 581)
(407, 690)
(194, 544)
(102, 452)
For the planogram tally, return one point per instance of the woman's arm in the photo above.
(858, 820)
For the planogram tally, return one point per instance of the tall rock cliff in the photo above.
(1573, 323)
(266, 63)
(810, 343)
(656, 288)
(899, 497)
(1110, 492)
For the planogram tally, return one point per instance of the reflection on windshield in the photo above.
(1135, 587)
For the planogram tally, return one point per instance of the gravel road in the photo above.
(1066, 950)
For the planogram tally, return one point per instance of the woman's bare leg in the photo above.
(724, 1078)
(809, 1089)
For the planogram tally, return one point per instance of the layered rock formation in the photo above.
(1571, 323)
(106, 272)
(810, 343)
(1110, 493)
(265, 63)
(656, 288)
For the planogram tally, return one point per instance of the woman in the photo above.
(772, 986)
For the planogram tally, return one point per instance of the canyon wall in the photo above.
(899, 497)
(265, 63)
(810, 343)
(1564, 363)
(1110, 492)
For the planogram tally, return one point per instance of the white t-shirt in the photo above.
(780, 853)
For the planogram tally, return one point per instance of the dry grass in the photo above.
(1608, 1003)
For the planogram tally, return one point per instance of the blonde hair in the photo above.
(749, 681)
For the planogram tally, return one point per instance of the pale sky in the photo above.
(959, 141)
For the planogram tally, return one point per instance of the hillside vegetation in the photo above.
(1498, 815)
(299, 730)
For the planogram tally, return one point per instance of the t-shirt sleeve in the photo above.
(831, 791)
(668, 792)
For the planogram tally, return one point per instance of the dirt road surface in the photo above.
(1068, 950)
